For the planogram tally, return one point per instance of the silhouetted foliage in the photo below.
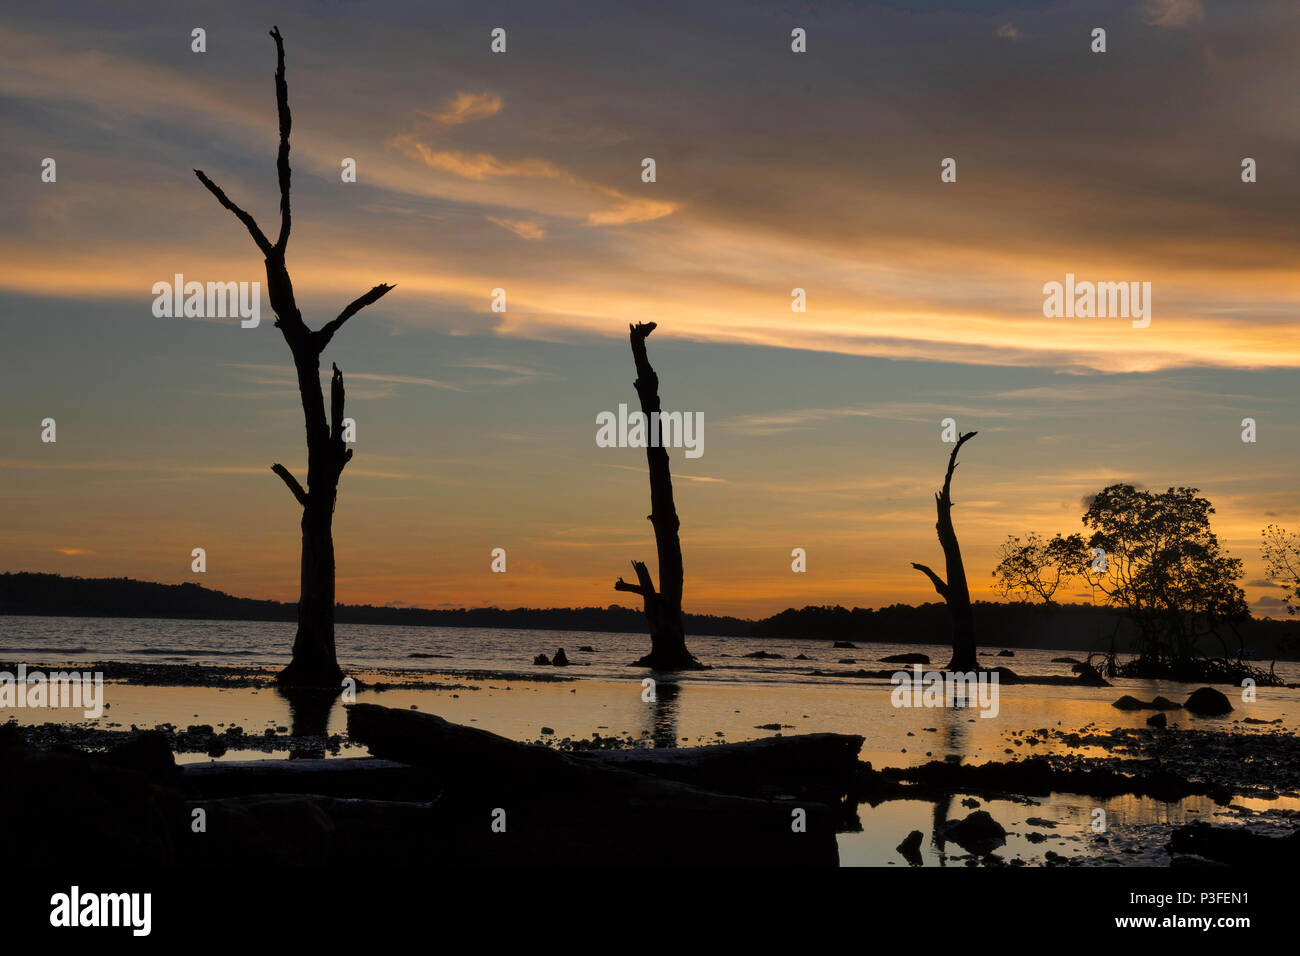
(1281, 551)
(1038, 567)
(1165, 568)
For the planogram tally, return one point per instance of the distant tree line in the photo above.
(1080, 627)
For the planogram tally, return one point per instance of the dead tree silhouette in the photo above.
(663, 608)
(314, 661)
(954, 591)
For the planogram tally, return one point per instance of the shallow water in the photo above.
(732, 701)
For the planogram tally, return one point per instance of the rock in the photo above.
(548, 731)
(1006, 653)
(979, 833)
(765, 656)
(910, 848)
(541, 659)
(1040, 822)
(149, 753)
(906, 659)
(1158, 720)
(1066, 660)
(587, 648)
(846, 660)
(845, 644)
(1234, 845)
(560, 659)
(1160, 703)
(802, 657)
(970, 802)
(1207, 702)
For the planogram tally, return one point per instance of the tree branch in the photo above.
(934, 579)
(645, 588)
(292, 482)
(321, 337)
(336, 405)
(250, 224)
(952, 463)
(282, 159)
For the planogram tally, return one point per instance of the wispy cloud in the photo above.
(466, 107)
(523, 228)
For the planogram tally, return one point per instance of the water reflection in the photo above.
(309, 712)
(663, 714)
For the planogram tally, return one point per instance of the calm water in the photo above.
(475, 670)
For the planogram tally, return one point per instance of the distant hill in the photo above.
(54, 595)
(1069, 627)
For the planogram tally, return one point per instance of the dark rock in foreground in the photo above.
(1207, 702)
(1234, 844)
(598, 809)
(978, 833)
(910, 848)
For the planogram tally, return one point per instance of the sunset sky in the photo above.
(522, 171)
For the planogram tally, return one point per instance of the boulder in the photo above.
(978, 833)
(910, 848)
(906, 659)
(1207, 702)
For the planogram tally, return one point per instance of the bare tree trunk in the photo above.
(954, 591)
(314, 661)
(663, 609)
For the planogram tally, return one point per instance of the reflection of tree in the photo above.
(955, 736)
(309, 712)
(663, 714)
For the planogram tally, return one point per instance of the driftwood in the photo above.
(558, 807)
(819, 765)
(360, 777)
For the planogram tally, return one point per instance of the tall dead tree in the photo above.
(663, 608)
(314, 662)
(954, 591)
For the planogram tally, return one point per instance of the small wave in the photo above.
(44, 650)
(186, 652)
